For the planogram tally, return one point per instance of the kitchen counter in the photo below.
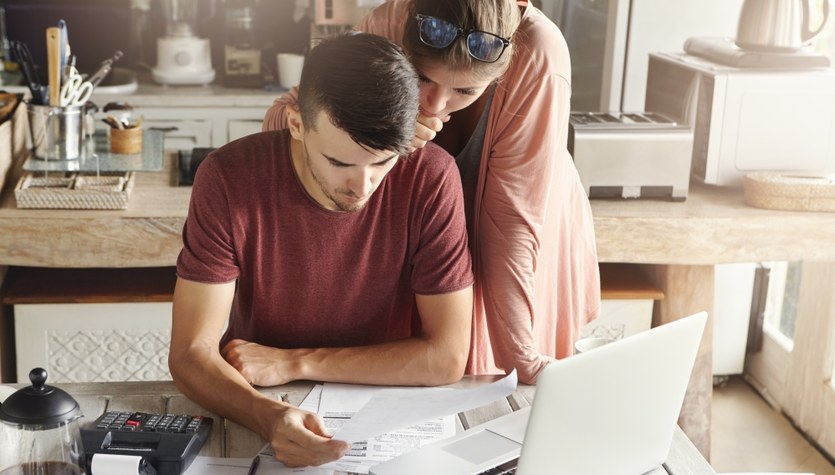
(682, 241)
(712, 226)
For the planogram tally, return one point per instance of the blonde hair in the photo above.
(499, 17)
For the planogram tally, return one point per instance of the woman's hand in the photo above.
(426, 130)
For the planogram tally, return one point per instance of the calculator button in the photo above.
(179, 424)
(194, 423)
(165, 422)
(151, 423)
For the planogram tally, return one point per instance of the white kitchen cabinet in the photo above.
(182, 134)
(242, 128)
(188, 127)
(197, 116)
(94, 342)
(628, 295)
(91, 325)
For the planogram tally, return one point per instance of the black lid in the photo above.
(39, 404)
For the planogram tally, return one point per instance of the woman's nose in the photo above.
(434, 101)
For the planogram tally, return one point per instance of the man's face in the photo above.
(336, 171)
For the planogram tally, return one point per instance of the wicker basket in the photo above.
(75, 191)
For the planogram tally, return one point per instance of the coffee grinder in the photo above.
(182, 57)
(241, 54)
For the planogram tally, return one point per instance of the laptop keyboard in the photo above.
(507, 468)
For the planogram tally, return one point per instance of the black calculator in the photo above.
(168, 442)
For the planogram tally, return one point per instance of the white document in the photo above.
(382, 423)
(389, 409)
(337, 403)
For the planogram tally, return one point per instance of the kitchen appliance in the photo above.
(39, 431)
(631, 155)
(332, 17)
(241, 55)
(725, 51)
(745, 120)
(182, 57)
(777, 25)
(609, 41)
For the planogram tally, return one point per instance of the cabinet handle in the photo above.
(165, 129)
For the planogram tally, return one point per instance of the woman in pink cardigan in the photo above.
(495, 92)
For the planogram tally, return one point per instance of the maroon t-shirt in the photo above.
(311, 277)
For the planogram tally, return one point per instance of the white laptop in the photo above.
(610, 411)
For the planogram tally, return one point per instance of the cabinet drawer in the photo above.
(183, 134)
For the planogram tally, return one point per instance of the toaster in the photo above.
(631, 154)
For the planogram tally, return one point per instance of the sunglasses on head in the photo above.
(481, 45)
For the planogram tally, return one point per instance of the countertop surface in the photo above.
(712, 226)
(142, 91)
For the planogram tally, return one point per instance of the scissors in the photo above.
(75, 91)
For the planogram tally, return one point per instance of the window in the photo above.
(781, 303)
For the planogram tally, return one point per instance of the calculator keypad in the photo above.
(145, 422)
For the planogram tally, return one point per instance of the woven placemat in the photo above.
(75, 191)
(792, 192)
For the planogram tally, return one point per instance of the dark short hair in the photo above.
(367, 87)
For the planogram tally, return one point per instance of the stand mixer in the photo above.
(182, 57)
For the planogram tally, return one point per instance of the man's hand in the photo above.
(299, 439)
(426, 130)
(260, 365)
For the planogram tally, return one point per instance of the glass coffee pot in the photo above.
(39, 431)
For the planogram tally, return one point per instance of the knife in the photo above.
(53, 62)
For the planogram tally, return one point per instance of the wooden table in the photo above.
(681, 242)
(229, 439)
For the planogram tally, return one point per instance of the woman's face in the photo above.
(443, 91)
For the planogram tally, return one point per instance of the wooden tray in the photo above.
(75, 191)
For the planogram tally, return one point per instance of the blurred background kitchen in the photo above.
(98, 27)
(663, 98)
(609, 39)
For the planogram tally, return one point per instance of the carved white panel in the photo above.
(108, 355)
(627, 317)
(94, 342)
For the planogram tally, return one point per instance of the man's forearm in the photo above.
(204, 377)
(412, 362)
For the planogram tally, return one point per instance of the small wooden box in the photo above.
(126, 141)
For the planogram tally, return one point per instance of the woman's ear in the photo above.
(294, 122)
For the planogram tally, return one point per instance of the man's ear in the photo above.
(294, 122)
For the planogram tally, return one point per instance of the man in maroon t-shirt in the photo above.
(333, 254)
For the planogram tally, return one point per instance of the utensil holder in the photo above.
(57, 132)
(126, 141)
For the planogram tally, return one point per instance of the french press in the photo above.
(39, 431)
